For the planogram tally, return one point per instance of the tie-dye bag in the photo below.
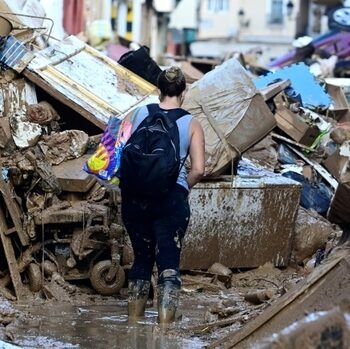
(105, 161)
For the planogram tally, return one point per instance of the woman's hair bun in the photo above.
(173, 74)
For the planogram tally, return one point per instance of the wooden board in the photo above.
(272, 90)
(15, 213)
(20, 291)
(323, 289)
(92, 84)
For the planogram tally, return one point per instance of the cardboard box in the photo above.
(337, 164)
(340, 110)
(295, 126)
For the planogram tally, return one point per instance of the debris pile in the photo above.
(58, 223)
(277, 180)
(49, 201)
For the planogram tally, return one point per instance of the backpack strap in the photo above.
(173, 114)
(152, 108)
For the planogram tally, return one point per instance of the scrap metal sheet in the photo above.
(15, 55)
(241, 224)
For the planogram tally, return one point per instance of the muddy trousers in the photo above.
(156, 229)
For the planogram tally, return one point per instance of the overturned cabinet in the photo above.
(242, 222)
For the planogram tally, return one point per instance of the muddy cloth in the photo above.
(42, 113)
(156, 229)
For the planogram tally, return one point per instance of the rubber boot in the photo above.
(168, 300)
(138, 295)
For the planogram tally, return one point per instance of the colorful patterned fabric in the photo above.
(105, 161)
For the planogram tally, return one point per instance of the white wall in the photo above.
(185, 15)
(54, 10)
(225, 24)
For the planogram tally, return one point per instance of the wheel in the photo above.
(34, 275)
(339, 18)
(98, 278)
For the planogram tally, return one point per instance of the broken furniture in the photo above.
(339, 110)
(88, 240)
(296, 127)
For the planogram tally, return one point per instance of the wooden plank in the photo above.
(5, 131)
(37, 80)
(14, 211)
(56, 75)
(10, 231)
(20, 291)
(317, 167)
(235, 338)
(87, 81)
(142, 83)
(271, 91)
(290, 141)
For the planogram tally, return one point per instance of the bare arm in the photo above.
(197, 153)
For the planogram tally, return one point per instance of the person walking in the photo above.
(154, 187)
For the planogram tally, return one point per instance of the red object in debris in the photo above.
(115, 51)
(73, 21)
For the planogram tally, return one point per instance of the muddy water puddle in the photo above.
(99, 326)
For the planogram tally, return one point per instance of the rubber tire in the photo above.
(98, 282)
(334, 24)
(35, 277)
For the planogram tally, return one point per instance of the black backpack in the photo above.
(150, 162)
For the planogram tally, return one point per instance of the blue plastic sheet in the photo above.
(246, 168)
(14, 54)
(304, 88)
(314, 195)
(286, 156)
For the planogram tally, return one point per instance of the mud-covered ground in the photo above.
(209, 309)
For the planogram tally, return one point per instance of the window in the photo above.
(211, 5)
(218, 5)
(276, 14)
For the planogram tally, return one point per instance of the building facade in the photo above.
(240, 25)
(250, 20)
